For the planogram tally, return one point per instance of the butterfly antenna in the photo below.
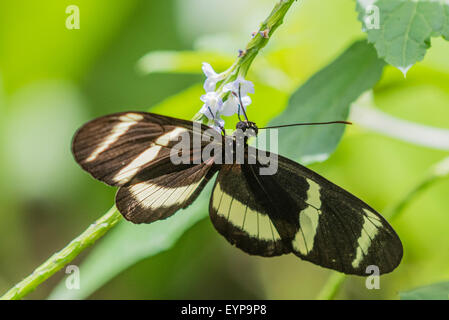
(306, 124)
(241, 104)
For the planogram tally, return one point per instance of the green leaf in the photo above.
(181, 105)
(405, 27)
(437, 291)
(327, 96)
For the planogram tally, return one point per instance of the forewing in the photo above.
(327, 225)
(116, 147)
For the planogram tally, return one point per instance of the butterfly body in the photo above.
(247, 125)
(294, 210)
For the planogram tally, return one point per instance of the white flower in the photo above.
(212, 77)
(212, 105)
(231, 105)
(245, 86)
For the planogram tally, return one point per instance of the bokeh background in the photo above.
(53, 79)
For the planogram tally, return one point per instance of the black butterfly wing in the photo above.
(115, 147)
(133, 150)
(334, 228)
(159, 198)
(238, 214)
(315, 219)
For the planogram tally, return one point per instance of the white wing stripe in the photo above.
(308, 220)
(255, 224)
(369, 231)
(154, 196)
(305, 237)
(126, 121)
(170, 136)
(134, 166)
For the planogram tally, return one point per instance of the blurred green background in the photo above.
(53, 79)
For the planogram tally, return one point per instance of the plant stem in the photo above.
(102, 225)
(274, 20)
(331, 287)
(437, 172)
(58, 260)
(244, 61)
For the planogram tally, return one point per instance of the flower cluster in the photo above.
(214, 107)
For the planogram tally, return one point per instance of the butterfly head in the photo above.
(247, 127)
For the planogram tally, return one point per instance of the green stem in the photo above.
(437, 172)
(242, 64)
(331, 287)
(57, 261)
(102, 225)
(274, 20)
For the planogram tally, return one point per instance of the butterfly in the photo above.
(294, 210)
